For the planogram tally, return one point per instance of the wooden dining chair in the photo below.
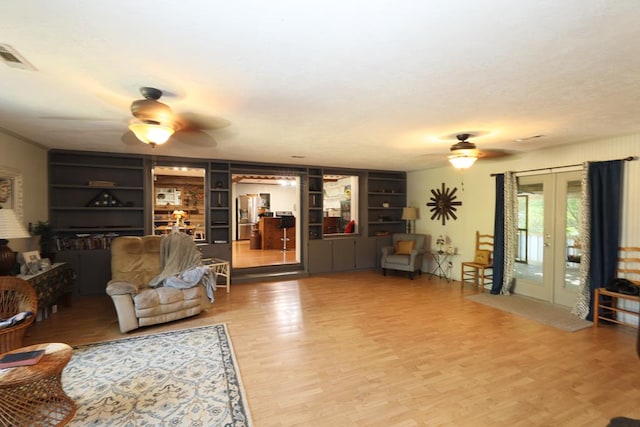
(480, 270)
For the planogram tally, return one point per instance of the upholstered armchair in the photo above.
(135, 263)
(406, 254)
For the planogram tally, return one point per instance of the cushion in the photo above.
(483, 256)
(350, 226)
(404, 247)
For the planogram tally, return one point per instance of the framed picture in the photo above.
(31, 256)
(11, 190)
(31, 262)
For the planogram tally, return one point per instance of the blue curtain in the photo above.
(498, 237)
(605, 189)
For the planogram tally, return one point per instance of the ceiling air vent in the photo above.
(12, 58)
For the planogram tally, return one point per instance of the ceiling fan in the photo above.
(464, 153)
(154, 122)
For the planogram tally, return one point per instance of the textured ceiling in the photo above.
(372, 84)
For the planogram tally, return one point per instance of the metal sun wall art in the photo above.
(443, 203)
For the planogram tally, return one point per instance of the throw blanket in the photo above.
(182, 265)
(16, 319)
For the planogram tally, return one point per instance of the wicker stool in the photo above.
(33, 395)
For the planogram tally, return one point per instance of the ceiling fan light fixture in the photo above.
(463, 160)
(150, 132)
(464, 153)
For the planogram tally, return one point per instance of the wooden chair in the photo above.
(16, 296)
(480, 270)
(606, 303)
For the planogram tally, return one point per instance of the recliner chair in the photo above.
(135, 261)
(406, 254)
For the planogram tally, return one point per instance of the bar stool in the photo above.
(286, 221)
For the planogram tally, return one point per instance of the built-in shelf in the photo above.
(219, 203)
(386, 196)
(315, 202)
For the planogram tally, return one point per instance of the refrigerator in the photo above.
(246, 214)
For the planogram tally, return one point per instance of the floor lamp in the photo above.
(410, 215)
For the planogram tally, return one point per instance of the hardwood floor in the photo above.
(360, 349)
(244, 257)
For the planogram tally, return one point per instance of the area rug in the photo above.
(540, 311)
(179, 378)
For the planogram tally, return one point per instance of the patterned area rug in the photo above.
(179, 378)
(540, 311)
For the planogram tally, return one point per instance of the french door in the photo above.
(549, 251)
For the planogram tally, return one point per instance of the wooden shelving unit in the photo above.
(386, 196)
(76, 180)
(93, 198)
(315, 197)
(219, 202)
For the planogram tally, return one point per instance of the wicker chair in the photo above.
(16, 295)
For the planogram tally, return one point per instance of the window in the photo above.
(340, 204)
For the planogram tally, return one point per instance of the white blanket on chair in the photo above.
(182, 265)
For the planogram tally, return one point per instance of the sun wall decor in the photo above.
(443, 204)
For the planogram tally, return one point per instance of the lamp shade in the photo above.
(151, 133)
(409, 214)
(463, 160)
(10, 226)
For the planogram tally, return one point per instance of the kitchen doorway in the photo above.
(266, 220)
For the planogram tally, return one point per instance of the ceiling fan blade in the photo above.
(197, 121)
(128, 138)
(493, 154)
(194, 138)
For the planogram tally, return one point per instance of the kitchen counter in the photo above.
(271, 234)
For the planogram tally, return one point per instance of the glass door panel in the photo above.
(548, 254)
(568, 242)
(535, 197)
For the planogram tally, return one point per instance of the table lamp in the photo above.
(10, 228)
(409, 215)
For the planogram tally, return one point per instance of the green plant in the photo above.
(45, 231)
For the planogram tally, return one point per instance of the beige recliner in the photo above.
(135, 261)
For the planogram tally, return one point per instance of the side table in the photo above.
(443, 265)
(50, 285)
(33, 395)
(219, 267)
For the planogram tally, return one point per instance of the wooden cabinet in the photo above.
(386, 196)
(343, 254)
(92, 268)
(272, 235)
(320, 258)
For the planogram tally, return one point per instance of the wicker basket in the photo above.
(16, 295)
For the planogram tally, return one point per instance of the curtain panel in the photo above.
(498, 237)
(604, 190)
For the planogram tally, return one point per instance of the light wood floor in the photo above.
(360, 349)
(244, 257)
